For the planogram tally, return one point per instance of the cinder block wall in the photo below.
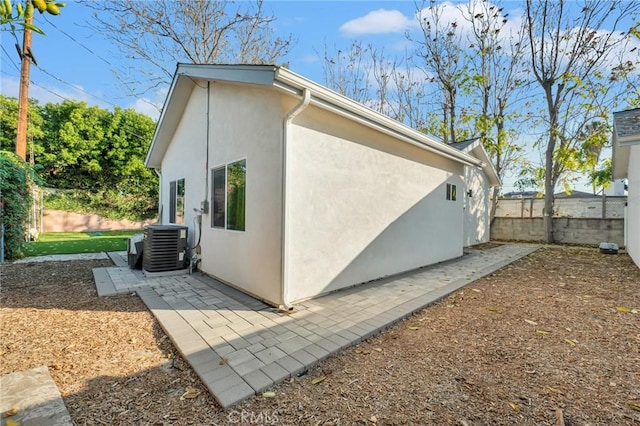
(566, 230)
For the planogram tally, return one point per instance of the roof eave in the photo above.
(328, 99)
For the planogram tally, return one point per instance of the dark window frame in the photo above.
(228, 196)
(176, 201)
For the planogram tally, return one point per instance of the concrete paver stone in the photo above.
(209, 321)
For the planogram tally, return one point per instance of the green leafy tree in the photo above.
(15, 199)
(571, 61)
(18, 15)
(72, 147)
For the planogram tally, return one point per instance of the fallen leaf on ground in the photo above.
(570, 342)
(514, 406)
(223, 361)
(530, 322)
(633, 406)
(190, 393)
(413, 328)
(492, 310)
(12, 423)
(377, 349)
(268, 394)
(12, 411)
(317, 380)
(542, 332)
(623, 309)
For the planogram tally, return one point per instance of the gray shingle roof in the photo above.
(627, 123)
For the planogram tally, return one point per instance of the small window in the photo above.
(451, 192)
(218, 197)
(176, 201)
(236, 188)
(229, 196)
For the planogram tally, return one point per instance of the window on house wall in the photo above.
(451, 192)
(228, 193)
(176, 201)
(236, 194)
(218, 197)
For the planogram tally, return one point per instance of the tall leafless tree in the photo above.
(495, 74)
(441, 56)
(155, 35)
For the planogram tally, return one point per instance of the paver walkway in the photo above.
(240, 346)
(35, 396)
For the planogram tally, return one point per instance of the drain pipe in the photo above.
(304, 102)
(159, 173)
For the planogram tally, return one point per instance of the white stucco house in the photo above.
(626, 164)
(477, 202)
(302, 191)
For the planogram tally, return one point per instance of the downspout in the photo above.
(304, 102)
(159, 173)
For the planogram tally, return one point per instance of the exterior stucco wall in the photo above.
(185, 159)
(245, 123)
(633, 206)
(476, 207)
(361, 206)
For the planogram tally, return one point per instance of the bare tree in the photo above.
(571, 54)
(347, 71)
(441, 54)
(155, 35)
(495, 74)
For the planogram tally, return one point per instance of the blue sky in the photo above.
(76, 63)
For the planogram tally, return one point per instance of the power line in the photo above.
(124, 127)
(77, 42)
(74, 86)
(11, 59)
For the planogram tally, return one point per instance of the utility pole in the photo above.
(23, 100)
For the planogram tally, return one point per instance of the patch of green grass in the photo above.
(78, 242)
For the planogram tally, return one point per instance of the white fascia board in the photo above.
(332, 101)
(487, 165)
(619, 159)
(178, 93)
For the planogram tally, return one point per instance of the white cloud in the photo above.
(379, 21)
(147, 107)
(151, 107)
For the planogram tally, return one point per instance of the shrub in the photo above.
(109, 203)
(15, 199)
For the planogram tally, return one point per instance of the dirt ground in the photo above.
(554, 334)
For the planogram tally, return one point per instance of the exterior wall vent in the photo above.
(165, 248)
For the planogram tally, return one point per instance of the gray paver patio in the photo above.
(240, 346)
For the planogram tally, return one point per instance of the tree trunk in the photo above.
(547, 212)
(494, 204)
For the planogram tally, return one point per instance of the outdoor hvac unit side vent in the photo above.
(165, 248)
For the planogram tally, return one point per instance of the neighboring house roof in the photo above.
(626, 132)
(474, 147)
(536, 194)
(293, 84)
(575, 194)
(521, 194)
